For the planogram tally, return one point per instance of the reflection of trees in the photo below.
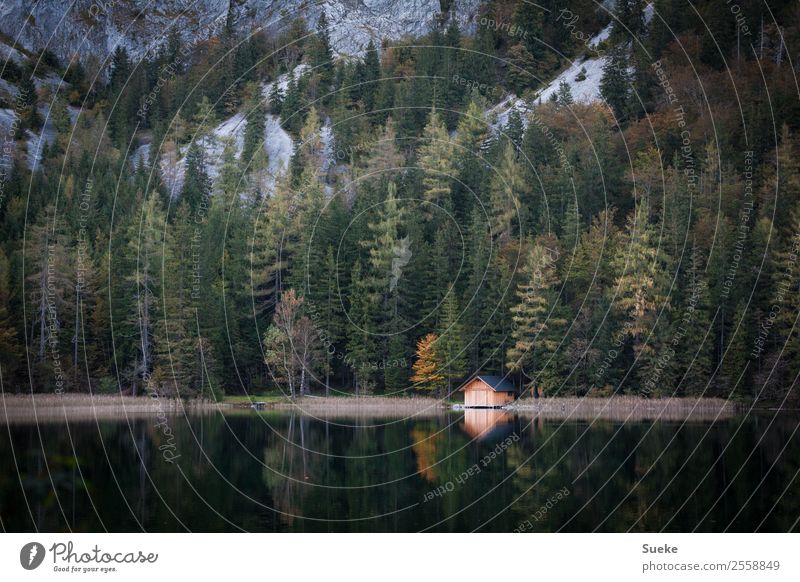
(424, 444)
(643, 476)
(287, 467)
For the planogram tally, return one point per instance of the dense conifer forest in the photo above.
(644, 244)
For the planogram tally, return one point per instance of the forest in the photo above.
(644, 244)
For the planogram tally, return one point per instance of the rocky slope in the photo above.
(96, 27)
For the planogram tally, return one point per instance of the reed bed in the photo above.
(343, 406)
(55, 407)
(52, 407)
(628, 408)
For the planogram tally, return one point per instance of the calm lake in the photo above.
(480, 470)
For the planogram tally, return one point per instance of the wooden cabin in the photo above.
(484, 391)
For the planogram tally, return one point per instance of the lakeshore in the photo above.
(49, 407)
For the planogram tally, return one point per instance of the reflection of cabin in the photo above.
(482, 391)
(487, 423)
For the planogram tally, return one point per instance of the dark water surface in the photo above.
(488, 472)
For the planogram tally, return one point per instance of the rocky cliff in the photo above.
(95, 27)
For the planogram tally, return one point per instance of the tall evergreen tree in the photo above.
(505, 189)
(536, 349)
(437, 163)
(615, 83)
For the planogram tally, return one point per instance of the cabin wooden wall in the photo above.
(477, 393)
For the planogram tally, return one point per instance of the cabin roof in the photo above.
(496, 383)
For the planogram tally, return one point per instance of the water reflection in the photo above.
(487, 423)
(480, 469)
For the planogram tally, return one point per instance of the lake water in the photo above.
(486, 471)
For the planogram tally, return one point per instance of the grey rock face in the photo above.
(94, 28)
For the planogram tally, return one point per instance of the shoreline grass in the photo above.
(628, 408)
(27, 407)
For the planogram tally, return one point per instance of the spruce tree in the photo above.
(615, 83)
(253, 133)
(372, 75)
(322, 53)
(360, 331)
(275, 98)
(196, 183)
(451, 345)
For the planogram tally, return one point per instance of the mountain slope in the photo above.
(89, 27)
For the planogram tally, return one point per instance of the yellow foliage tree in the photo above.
(427, 371)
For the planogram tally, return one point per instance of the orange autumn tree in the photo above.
(427, 371)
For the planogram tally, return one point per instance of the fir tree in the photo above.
(564, 94)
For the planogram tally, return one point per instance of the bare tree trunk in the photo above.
(42, 311)
(77, 334)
